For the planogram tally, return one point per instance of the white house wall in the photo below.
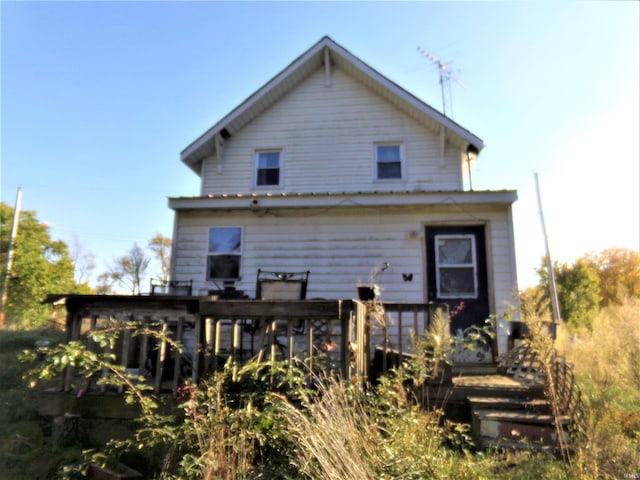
(327, 136)
(342, 245)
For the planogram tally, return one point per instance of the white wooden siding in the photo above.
(327, 135)
(340, 247)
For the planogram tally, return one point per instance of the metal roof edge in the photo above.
(311, 200)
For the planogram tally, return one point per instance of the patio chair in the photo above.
(278, 286)
(281, 285)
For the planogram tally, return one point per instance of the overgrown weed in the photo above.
(606, 362)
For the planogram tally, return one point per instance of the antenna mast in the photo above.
(445, 75)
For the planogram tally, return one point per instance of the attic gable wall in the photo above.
(327, 136)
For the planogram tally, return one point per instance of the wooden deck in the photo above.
(212, 332)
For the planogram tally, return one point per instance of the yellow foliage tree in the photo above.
(619, 272)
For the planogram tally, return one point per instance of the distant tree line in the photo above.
(43, 266)
(590, 283)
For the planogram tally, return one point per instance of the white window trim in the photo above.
(256, 155)
(474, 263)
(403, 165)
(209, 254)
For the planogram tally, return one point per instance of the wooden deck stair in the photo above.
(503, 422)
(521, 417)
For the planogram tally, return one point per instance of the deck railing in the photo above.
(342, 331)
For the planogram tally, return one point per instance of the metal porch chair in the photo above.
(272, 285)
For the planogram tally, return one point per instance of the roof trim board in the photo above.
(356, 199)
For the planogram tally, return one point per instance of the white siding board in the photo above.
(339, 250)
(327, 135)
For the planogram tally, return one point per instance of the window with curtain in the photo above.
(456, 266)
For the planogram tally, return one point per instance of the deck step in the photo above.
(500, 427)
(537, 405)
(459, 369)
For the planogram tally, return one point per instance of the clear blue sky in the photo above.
(99, 98)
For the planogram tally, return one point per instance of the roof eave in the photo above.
(314, 200)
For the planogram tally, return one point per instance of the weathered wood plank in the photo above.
(271, 309)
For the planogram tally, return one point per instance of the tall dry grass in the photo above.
(336, 438)
(608, 355)
(606, 363)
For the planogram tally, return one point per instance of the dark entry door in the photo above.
(457, 273)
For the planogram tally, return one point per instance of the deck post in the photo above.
(177, 356)
(345, 336)
(161, 356)
(197, 350)
(310, 341)
(290, 341)
(74, 320)
(124, 359)
(144, 346)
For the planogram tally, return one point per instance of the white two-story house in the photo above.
(333, 168)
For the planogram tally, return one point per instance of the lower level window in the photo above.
(225, 253)
(456, 266)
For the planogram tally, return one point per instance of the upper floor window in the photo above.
(389, 162)
(225, 252)
(268, 167)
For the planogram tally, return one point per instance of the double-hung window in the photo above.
(225, 253)
(268, 167)
(389, 162)
(456, 266)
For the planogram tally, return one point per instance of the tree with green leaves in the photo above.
(578, 286)
(41, 266)
(578, 292)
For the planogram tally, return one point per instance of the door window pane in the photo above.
(456, 266)
(453, 251)
(457, 282)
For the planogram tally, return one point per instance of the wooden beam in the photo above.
(442, 143)
(271, 309)
(219, 141)
(327, 67)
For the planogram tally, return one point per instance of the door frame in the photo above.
(486, 230)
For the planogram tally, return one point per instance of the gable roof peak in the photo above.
(295, 73)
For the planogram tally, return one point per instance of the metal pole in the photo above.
(7, 275)
(555, 308)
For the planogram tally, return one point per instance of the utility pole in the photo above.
(7, 275)
(555, 308)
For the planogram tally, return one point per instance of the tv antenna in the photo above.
(445, 76)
